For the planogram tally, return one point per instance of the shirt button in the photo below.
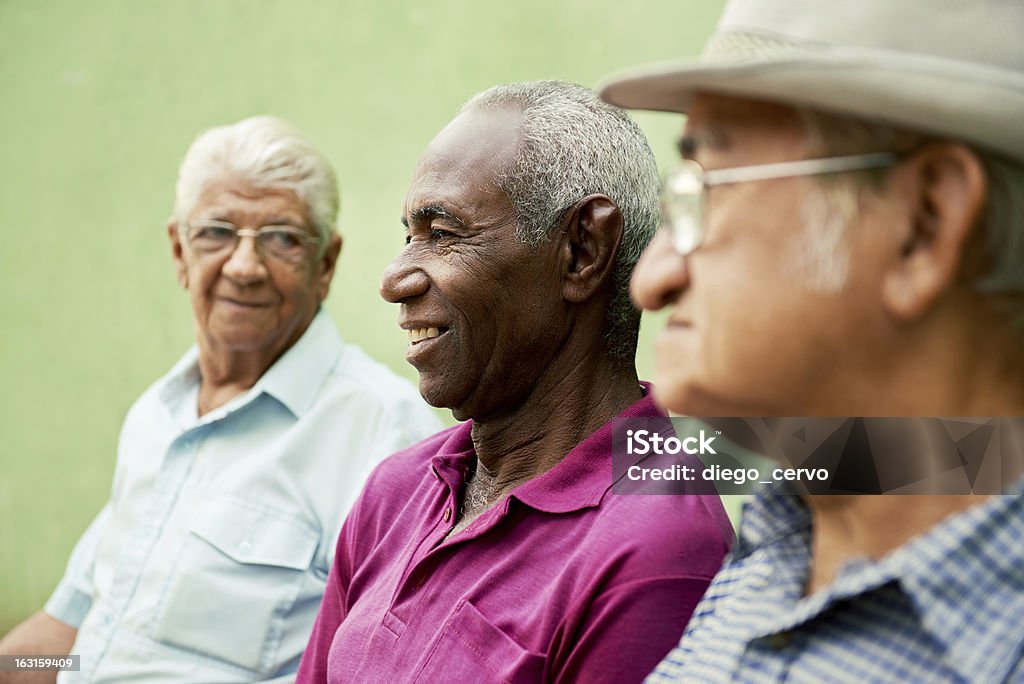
(447, 514)
(245, 546)
(779, 640)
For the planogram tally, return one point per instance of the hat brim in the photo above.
(942, 97)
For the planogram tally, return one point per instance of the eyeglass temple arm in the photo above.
(801, 167)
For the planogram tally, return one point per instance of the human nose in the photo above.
(245, 265)
(660, 275)
(402, 280)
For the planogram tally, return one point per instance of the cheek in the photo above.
(201, 278)
(295, 285)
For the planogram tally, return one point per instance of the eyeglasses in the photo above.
(684, 191)
(285, 243)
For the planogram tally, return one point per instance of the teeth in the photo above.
(420, 334)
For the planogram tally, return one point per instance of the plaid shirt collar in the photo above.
(965, 576)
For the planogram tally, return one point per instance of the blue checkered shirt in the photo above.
(948, 606)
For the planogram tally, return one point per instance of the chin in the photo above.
(244, 343)
(685, 397)
(670, 398)
(443, 396)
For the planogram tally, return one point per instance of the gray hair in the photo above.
(573, 144)
(267, 152)
(1001, 244)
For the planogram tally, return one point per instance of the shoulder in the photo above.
(407, 468)
(684, 535)
(395, 492)
(356, 375)
(153, 404)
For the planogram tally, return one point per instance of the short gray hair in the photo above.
(267, 152)
(573, 145)
(1002, 241)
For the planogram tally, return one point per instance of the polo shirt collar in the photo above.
(583, 477)
(579, 480)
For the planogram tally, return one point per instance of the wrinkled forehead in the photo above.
(465, 159)
(233, 197)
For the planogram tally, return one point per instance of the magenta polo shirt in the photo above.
(560, 581)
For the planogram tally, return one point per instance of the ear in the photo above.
(180, 267)
(326, 264)
(592, 231)
(942, 188)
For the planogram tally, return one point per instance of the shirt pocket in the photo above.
(238, 576)
(471, 649)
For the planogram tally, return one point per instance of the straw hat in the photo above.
(948, 67)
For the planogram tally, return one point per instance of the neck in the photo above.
(846, 527)
(559, 412)
(224, 377)
(962, 360)
(227, 372)
(962, 363)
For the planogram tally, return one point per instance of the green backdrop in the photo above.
(100, 99)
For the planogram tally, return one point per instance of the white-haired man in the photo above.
(845, 237)
(236, 469)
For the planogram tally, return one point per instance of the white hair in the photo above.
(573, 144)
(1000, 247)
(266, 152)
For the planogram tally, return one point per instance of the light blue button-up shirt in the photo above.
(208, 562)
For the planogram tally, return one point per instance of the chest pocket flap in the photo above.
(251, 536)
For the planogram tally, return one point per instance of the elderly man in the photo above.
(236, 469)
(846, 238)
(494, 551)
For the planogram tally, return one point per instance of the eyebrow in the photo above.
(277, 220)
(429, 212)
(688, 145)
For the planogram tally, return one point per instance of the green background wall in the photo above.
(99, 100)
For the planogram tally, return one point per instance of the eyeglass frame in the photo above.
(254, 233)
(687, 238)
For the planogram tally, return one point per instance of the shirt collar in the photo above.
(966, 577)
(773, 513)
(579, 480)
(294, 379)
(582, 478)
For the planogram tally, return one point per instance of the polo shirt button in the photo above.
(447, 514)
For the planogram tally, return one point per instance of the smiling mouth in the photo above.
(417, 335)
(250, 305)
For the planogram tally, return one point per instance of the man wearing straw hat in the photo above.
(845, 237)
